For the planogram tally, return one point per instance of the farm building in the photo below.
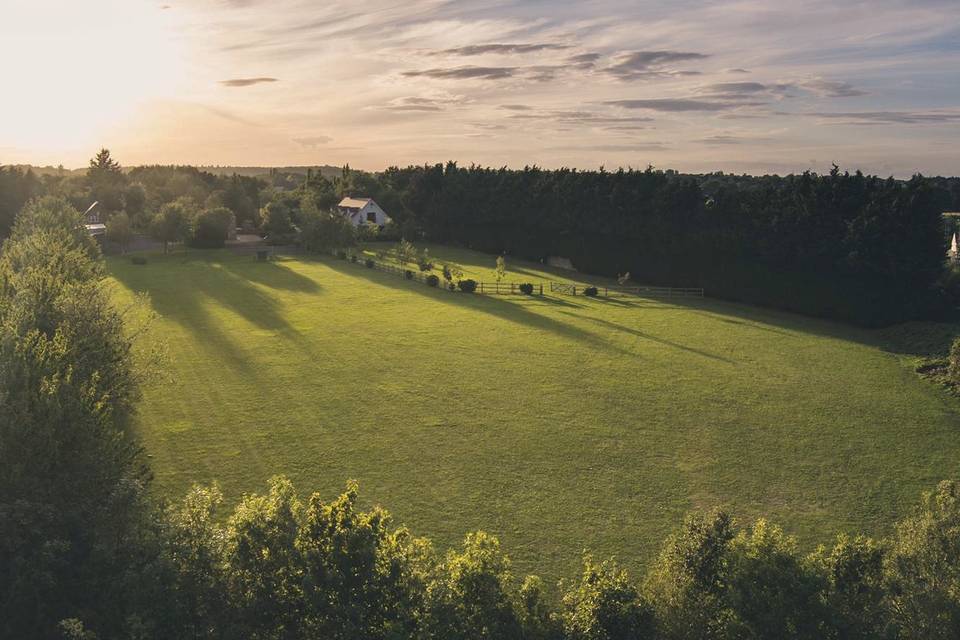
(362, 211)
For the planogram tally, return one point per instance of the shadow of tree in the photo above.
(512, 311)
(185, 295)
(648, 336)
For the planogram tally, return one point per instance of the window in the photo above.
(372, 216)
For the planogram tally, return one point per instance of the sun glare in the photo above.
(74, 69)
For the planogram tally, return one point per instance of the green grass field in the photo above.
(557, 423)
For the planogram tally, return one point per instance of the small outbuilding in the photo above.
(361, 211)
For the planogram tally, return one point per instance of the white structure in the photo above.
(362, 211)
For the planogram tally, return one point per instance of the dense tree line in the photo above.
(840, 245)
(85, 553)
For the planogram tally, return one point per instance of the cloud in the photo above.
(632, 65)
(480, 49)
(832, 88)
(679, 104)
(246, 82)
(464, 73)
(516, 107)
(424, 103)
(891, 117)
(312, 142)
(584, 60)
(734, 91)
(735, 70)
(724, 139)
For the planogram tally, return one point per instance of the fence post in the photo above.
(574, 289)
(541, 288)
(511, 287)
(481, 287)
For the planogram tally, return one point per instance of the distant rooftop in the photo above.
(354, 203)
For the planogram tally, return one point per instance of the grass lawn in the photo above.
(557, 423)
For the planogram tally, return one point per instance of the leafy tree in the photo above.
(855, 589)
(211, 227)
(72, 477)
(501, 271)
(134, 199)
(452, 272)
(405, 252)
(605, 606)
(106, 180)
(171, 224)
(923, 568)
(324, 231)
(471, 596)
(119, 230)
(276, 224)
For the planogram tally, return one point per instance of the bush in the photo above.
(353, 258)
(342, 255)
(408, 274)
(526, 288)
(138, 260)
(433, 280)
(451, 286)
(468, 285)
(955, 361)
(368, 263)
(590, 292)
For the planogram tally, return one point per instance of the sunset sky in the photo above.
(749, 86)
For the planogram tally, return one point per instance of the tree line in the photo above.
(86, 551)
(847, 246)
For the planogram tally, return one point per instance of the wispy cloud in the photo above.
(633, 65)
(480, 49)
(891, 117)
(464, 73)
(832, 88)
(680, 104)
(246, 82)
(313, 142)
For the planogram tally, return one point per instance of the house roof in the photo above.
(354, 203)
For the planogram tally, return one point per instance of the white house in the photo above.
(362, 211)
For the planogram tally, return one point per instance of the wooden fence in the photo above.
(565, 288)
(513, 288)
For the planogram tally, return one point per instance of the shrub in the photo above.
(424, 262)
(526, 288)
(353, 258)
(408, 274)
(433, 280)
(590, 292)
(468, 285)
(369, 263)
(955, 361)
(342, 255)
(451, 286)
(138, 260)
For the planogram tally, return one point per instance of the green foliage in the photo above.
(276, 223)
(119, 230)
(467, 286)
(590, 292)
(526, 288)
(423, 260)
(106, 181)
(71, 473)
(923, 568)
(405, 252)
(855, 591)
(954, 369)
(605, 606)
(172, 223)
(408, 274)
(433, 280)
(322, 231)
(211, 227)
(368, 263)
(452, 272)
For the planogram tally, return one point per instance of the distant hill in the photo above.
(326, 170)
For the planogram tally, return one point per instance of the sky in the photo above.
(745, 86)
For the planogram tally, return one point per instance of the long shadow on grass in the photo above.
(511, 311)
(647, 336)
(185, 288)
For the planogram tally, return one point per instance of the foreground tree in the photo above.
(71, 475)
